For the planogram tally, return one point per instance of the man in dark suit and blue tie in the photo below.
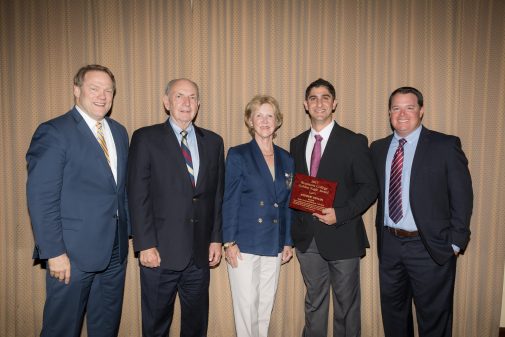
(329, 246)
(423, 217)
(175, 190)
(78, 207)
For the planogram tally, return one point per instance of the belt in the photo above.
(401, 233)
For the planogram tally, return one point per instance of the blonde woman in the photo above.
(256, 217)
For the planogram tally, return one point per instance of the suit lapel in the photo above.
(331, 146)
(90, 139)
(280, 171)
(299, 153)
(262, 166)
(202, 153)
(174, 148)
(381, 165)
(120, 151)
(332, 149)
(420, 154)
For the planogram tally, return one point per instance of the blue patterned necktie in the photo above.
(187, 156)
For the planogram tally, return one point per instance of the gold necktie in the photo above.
(101, 140)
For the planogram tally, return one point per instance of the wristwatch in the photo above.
(229, 244)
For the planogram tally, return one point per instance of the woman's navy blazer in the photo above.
(256, 213)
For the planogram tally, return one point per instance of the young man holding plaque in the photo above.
(329, 245)
(423, 217)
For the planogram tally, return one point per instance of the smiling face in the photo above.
(263, 121)
(405, 113)
(182, 101)
(95, 95)
(320, 105)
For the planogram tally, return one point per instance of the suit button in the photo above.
(262, 203)
(276, 205)
(195, 199)
(260, 220)
(274, 220)
(191, 220)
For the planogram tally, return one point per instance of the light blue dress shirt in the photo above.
(409, 149)
(192, 144)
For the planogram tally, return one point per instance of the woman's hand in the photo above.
(287, 254)
(232, 255)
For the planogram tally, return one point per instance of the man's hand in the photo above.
(150, 258)
(287, 254)
(232, 253)
(329, 217)
(59, 268)
(214, 253)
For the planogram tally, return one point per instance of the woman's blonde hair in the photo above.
(254, 104)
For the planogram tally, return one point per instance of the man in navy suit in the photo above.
(175, 190)
(329, 246)
(423, 217)
(78, 208)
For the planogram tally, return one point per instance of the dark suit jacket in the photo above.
(73, 200)
(346, 160)
(441, 196)
(256, 211)
(166, 211)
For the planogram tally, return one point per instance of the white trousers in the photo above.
(253, 285)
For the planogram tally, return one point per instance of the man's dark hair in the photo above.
(320, 83)
(407, 90)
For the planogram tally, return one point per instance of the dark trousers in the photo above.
(158, 291)
(343, 276)
(98, 294)
(407, 272)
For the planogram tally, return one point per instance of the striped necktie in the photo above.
(395, 184)
(187, 156)
(101, 140)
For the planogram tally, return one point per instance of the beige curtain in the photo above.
(452, 50)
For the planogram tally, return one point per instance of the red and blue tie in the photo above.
(187, 156)
(395, 184)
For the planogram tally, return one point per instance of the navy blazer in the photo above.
(441, 196)
(73, 200)
(256, 213)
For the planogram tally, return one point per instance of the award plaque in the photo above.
(311, 194)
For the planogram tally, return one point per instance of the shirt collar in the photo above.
(90, 121)
(411, 138)
(325, 132)
(177, 129)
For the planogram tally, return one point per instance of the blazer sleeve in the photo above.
(288, 241)
(232, 193)
(460, 194)
(365, 181)
(46, 161)
(139, 196)
(217, 228)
